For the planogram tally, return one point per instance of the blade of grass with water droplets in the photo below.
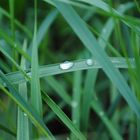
(97, 108)
(54, 69)
(22, 121)
(88, 39)
(61, 92)
(76, 100)
(17, 98)
(62, 116)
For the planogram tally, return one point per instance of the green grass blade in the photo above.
(17, 98)
(11, 6)
(44, 27)
(13, 44)
(62, 116)
(23, 123)
(36, 99)
(97, 108)
(7, 130)
(61, 92)
(22, 27)
(76, 100)
(54, 69)
(88, 39)
(87, 98)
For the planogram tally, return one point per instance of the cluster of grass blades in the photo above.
(72, 72)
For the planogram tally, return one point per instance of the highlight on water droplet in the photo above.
(66, 65)
(89, 62)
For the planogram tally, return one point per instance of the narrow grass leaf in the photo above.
(23, 123)
(62, 116)
(54, 69)
(59, 89)
(21, 26)
(97, 108)
(36, 99)
(43, 29)
(18, 99)
(76, 100)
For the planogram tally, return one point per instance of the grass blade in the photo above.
(76, 101)
(23, 123)
(16, 97)
(54, 69)
(62, 116)
(80, 28)
(36, 99)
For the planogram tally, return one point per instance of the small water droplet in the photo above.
(96, 98)
(68, 138)
(74, 121)
(4, 84)
(29, 74)
(104, 30)
(15, 45)
(89, 62)
(66, 65)
(74, 104)
(101, 113)
(25, 114)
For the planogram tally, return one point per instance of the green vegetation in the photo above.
(69, 69)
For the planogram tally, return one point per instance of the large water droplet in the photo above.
(66, 65)
(89, 62)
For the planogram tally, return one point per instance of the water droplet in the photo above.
(89, 62)
(104, 30)
(15, 45)
(66, 65)
(29, 74)
(25, 114)
(74, 121)
(4, 84)
(96, 98)
(68, 138)
(74, 104)
(101, 113)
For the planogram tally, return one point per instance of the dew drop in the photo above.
(74, 121)
(101, 113)
(29, 74)
(104, 30)
(4, 84)
(15, 45)
(89, 62)
(68, 138)
(66, 65)
(74, 104)
(25, 114)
